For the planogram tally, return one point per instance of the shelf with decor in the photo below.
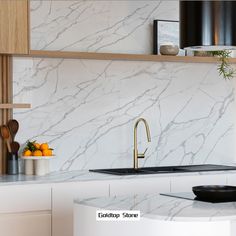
(15, 105)
(122, 56)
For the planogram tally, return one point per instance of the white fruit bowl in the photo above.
(38, 157)
(37, 165)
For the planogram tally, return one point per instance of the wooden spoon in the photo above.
(15, 146)
(13, 126)
(6, 136)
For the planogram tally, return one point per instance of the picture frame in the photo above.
(166, 31)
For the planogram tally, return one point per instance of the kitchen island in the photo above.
(46, 202)
(159, 216)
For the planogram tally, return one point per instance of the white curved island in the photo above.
(160, 216)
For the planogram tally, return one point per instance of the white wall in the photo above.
(87, 108)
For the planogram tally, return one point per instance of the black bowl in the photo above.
(215, 193)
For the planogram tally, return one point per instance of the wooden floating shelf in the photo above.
(15, 105)
(123, 57)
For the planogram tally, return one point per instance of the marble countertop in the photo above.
(85, 175)
(155, 206)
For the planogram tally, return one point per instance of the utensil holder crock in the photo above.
(12, 164)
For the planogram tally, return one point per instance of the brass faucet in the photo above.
(136, 154)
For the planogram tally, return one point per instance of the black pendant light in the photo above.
(208, 25)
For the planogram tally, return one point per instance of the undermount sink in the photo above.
(164, 169)
(123, 171)
(132, 171)
(140, 171)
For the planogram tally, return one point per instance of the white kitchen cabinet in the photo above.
(25, 198)
(47, 209)
(25, 210)
(25, 224)
(185, 183)
(63, 198)
(140, 186)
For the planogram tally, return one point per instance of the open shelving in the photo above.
(122, 56)
(15, 105)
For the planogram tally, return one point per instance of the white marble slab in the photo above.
(155, 206)
(84, 175)
(86, 109)
(97, 26)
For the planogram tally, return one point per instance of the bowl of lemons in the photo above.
(36, 156)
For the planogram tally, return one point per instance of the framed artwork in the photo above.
(165, 31)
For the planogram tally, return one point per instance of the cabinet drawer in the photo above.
(25, 198)
(27, 224)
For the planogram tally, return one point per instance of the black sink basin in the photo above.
(164, 169)
(123, 171)
(193, 168)
(140, 171)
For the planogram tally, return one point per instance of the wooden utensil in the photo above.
(13, 126)
(15, 146)
(6, 136)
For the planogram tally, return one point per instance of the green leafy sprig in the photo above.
(30, 146)
(225, 69)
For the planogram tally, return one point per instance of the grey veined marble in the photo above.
(86, 109)
(101, 26)
(86, 176)
(159, 207)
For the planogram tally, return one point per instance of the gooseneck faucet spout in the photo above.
(136, 154)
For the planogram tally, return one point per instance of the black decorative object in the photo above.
(208, 25)
(220, 193)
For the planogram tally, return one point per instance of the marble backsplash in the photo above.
(86, 109)
(97, 26)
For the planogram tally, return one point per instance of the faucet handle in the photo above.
(142, 155)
